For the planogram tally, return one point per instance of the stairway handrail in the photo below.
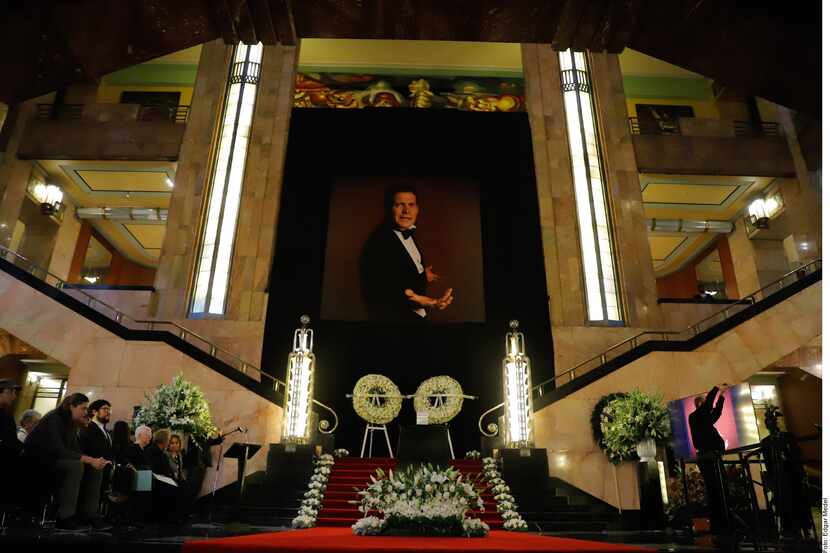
(695, 329)
(119, 316)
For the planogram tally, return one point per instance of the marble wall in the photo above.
(64, 250)
(103, 365)
(563, 428)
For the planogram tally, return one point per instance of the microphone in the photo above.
(242, 429)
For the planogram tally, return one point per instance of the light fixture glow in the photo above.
(595, 231)
(169, 182)
(91, 279)
(299, 390)
(49, 196)
(213, 269)
(516, 386)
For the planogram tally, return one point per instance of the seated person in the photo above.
(95, 439)
(176, 459)
(28, 420)
(121, 442)
(136, 454)
(53, 449)
(10, 446)
(167, 498)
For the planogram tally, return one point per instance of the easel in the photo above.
(369, 434)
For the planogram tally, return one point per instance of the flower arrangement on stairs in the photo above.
(420, 500)
(180, 406)
(505, 503)
(625, 420)
(313, 498)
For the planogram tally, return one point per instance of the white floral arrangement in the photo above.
(341, 452)
(475, 528)
(376, 399)
(420, 500)
(505, 502)
(368, 526)
(450, 396)
(313, 498)
(515, 525)
(180, 406)
(472, 455)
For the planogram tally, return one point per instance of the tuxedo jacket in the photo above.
(386, 270)
(94, 443)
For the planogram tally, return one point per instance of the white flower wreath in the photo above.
(446, 395)
(376, 399)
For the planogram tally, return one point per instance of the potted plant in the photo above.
(180, 406)
(633, 421)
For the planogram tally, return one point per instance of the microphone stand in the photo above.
(216, 474)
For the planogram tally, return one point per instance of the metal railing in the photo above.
(146, 112)
(186, 335)
(739, 128)
(687, 333)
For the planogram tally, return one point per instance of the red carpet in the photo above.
(349, 473)
(329, 540)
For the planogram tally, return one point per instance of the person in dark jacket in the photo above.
(95, 439)
(710, 446)
(137, 452)
(53, 449)
(168, 499)
(10, 447)
(120, 442)
(393, 275)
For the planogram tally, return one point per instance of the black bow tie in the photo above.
(407, 233)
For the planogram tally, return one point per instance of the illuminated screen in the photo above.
(737, 425)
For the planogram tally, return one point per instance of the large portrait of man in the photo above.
(404, 250)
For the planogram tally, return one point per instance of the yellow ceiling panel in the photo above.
(122, 181)
(687, 194)
(662, 246)
(149, 236)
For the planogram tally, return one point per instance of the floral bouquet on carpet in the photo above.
(420, 501)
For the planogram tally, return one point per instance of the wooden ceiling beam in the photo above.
(565, 28)
(263, 23)
(590, 22)
(282, 17)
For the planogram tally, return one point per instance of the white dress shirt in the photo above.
(103, 429)
(412, 250)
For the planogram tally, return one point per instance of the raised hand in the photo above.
(431, 275)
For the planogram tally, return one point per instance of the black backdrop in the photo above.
(493, 148)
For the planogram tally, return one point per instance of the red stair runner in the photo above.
(349, 473)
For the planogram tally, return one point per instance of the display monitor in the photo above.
(737, 425)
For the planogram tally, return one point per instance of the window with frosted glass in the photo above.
(589, 187)
(219, 227)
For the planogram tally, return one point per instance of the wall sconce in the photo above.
(517, 400)
(49, 196)
(299, 381)
(761, 210)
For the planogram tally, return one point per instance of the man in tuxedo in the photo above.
(710, 446)
(393, 273)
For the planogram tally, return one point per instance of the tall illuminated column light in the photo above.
(595, 236)
(517, 400)
(299, 380)
(210, 287)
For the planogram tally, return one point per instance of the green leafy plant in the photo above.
(630, 418)
(179, 406)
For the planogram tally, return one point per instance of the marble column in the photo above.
(637, 282)
(14, 174)
(65, 242)
(256, 230)
(554, 185)
(192, 181)
(744, 262)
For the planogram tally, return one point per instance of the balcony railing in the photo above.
(138, 112)
(691, 126)
(689, 332)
